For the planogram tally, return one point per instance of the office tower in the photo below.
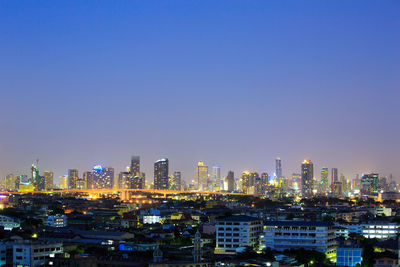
(334, 175)
(278, 166)
(135, 166)
(35, 175)
(264, 181)
(161, 171)
(102, 177)
(307, 175)
(124, 180)
(72, 178)
(324, 180)
(296, 181)
(201, 176)
(369, 183)
(9, 182)
(178, 180)
(41, 183)
(216, 175)
(64, 182)
(88, 180)
(357, 183)
(48, 180)
(245, 182)
(383, 184)
(137, 181)
(230, 182)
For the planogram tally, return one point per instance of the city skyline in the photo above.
(231, 84)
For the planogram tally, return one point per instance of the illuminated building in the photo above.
(337, 189)
(201, 176)
(370, 183)
(175, 181)
(102, 177)
(9, 182)
(135, 166)
(237, 231)
(246, 183)
(88, 180)
(72, 178)
(35, 175)
(42, 183)
(296, 181)
(307, 175)
(64, 182)
(48, 180)
(334, 176)
(229, 184)
(161, 171)
(324, 180)
(124, 180)
(278, 167)
(216, 176)
(25, 184)
(264, 180)
(285, 235)
(137, 181)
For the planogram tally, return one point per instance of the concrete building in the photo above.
(237, 231)
(34, 253)
(9, 222)
(282, 235)
(58, 220)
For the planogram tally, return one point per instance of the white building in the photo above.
(282, 235)
(9, 222)
(58, 220)
(34, 253)
(237, 231)
(374, 229)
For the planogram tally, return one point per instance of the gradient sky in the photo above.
(232, 83)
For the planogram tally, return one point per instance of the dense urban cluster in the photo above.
(253, 220)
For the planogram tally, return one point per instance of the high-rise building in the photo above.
(42, 183)
(35, 175)
(216, 175)
(335, 177)
(177, 183)
(324, 180)
(88, 180)
(72, 178)
(278, 166)
(369, 183)
(124, 180)
(102, 177)
(9, 182)
(161, 171)
(137, 181)
(64, 182)
(264, 181)
(229, 184)
(48, 180)
(135, 166)
(201, 176)
(307, 175)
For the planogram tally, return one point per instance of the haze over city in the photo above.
(233, 84)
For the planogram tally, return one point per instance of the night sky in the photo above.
(231, 83)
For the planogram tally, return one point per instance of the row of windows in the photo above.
(227, 240)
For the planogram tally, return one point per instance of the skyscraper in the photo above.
(201, 176)
(230, 182)
(177, 180)
(278, 166)
(35, 175)
(216, 175)
(135, 166)
(88, 180)
(72, 178)
(324, 180)
(9, 182)
(335, 177)
(161, 171)
(64, 182)
(369, 183)
(307, 175)
(103, 177)
(48, 180)
(124, 180)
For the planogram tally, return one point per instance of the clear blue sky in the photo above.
(232, 83)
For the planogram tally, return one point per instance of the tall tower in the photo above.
(307, 175)
(335, 177)
(88, 180)
(48, 180)
(161, 171)
(35, 175)
(278, 166)
(135, 166)
(216, 175)
(324, 180)
(197, 247)
(230, 181)
(72, 179)
(201, 176)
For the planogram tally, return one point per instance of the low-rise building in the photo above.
(282, 235)
(58, 220)
(34, 253)
(348, 256)
(237, 231)
(9, 222)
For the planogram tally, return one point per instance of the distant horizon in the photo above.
(233, 84)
